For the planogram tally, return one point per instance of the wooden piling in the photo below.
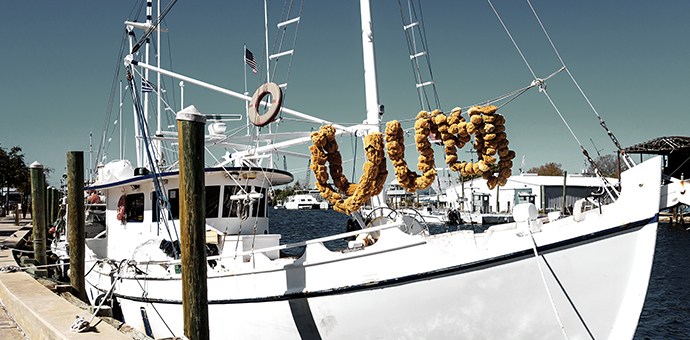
(190, 127)
(75, 220)
(49, 207)
(38, 216)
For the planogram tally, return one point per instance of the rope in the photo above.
(80, 324)
(543, 278)
(9, 269)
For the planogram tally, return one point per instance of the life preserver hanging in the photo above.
(269, 88)
(121, 207)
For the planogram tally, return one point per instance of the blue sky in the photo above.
(630, 58)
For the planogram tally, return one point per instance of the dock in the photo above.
(30, 310)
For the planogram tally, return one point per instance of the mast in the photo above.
(90, 155)
(371, 90)
(182, 94)
(119, 120)
(146, 76)
(370, 82)
(158, 143)
(137, 141)
(268, 75)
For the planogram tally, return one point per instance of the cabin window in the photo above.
(174, 199)
(155, 209)
(263, 202)
(212, 199)
(259, 207)
(231, 208)
(135, 208)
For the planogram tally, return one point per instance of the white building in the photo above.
(546, 192)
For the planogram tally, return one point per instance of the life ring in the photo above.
(269, 88)
(121, 207)
(94, 198)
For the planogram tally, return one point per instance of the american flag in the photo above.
(249, 59)
(146, 86)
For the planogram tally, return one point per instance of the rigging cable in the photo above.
(626, 157)
(156, 176)
(101, 146)
(411, 47)
(542, 88)
(153, 27)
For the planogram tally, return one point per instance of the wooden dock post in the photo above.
(75, 218)
(38, 185)
(190, 126)
(49, 206)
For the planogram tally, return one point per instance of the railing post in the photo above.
(565, 178)
(190, 126)
(75, 220)
(38, 216)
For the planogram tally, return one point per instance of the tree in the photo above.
(12, 168)
(549, 169)
(608, 165)
(13, 172)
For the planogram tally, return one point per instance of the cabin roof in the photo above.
(281, 176)
(661, 146)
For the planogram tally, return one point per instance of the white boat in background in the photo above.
(426, 214)
(411, 205)
(585, 275)
(305, 202)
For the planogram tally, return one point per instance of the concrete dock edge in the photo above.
(40, 313)
(44, 315)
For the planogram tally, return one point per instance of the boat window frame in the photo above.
(174, 199)
(231, 209)
(259, 206)
(210, 201)
(136, 206)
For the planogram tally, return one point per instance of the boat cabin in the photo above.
(236, 201)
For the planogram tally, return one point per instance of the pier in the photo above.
(30, 309)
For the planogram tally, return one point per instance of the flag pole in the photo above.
(246, 104)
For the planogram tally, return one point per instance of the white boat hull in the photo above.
(501, 297)
(453, 285)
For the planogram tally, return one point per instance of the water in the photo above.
(302, 225)
(666, 312)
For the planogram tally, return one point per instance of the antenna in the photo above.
(595, 148)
